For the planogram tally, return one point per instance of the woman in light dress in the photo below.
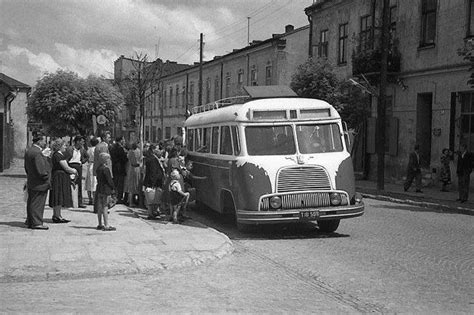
(91, 180)
(132, 180)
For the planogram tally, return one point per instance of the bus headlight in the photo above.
(275, 202)
(335, 199)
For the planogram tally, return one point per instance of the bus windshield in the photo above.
(270, 140)
(319, 138)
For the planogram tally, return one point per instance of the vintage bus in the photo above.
(271, 157)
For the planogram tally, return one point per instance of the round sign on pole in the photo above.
(101, 120)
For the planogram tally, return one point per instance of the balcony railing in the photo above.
(368, 61)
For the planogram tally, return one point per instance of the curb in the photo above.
(424, 205)
(130, 266)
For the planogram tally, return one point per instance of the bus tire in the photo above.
(328, 226)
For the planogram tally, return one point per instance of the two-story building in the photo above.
(268, 62)
(428, 99)
(13, 119)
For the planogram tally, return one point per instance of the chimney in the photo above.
(289, 28)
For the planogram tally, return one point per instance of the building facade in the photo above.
(13, 119)
(428, 99)
(269, 62)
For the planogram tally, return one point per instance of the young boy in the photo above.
(178, 198)
(105, 188)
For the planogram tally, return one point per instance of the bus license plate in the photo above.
(309, 215)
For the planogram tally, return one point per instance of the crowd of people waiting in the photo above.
(159, 178)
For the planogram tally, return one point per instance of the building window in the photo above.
(227, 85)
(467, 120)
(171, 97)
(268, 75)
(253, 76)
(177, 96)
(191, 93)
(208, 90)
(428, 22)
(167, 132)
(159, 134)
(183, 97)
(216, 88)
(342, 57)
(147, 133)
(240, 77)
(470, 29)
(366, 33)
(323, 44)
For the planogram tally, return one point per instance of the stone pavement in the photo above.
(77, 250)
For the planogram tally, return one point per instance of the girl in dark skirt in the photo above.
(60, 194)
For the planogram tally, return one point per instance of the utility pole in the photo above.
(200, 69)
(248, 30)
(384, 42)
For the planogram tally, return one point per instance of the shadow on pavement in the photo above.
(226, 225)
(20, 224)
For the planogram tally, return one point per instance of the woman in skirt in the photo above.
(60, 194)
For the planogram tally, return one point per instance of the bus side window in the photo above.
(215, 139)
(190, 141)
(207, 140)
(236, 140)
(226, 142)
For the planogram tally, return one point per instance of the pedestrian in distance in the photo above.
(91, 180)
(77, 156)
(463, 170)
(414, 170)
(38, 182)
(178, 197)
(445, 171)
(105, 190)
(60, 195)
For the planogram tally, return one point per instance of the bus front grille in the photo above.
(302, 178)
(299, 201)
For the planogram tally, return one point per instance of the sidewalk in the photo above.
(77, 250)
(431, 199)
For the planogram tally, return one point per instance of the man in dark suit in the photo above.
(414, 170)
(38, 174)
(77, 156)
(119, 166)
(463, 170)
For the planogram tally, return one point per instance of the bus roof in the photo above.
(266, 110)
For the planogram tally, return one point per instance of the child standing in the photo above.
(105, 188)
(178, 198)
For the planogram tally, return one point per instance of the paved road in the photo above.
(391, 260)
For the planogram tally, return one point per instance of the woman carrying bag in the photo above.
(153, 182)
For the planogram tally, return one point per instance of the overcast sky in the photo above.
(87, 36)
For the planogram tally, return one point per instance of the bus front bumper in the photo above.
(299, 215)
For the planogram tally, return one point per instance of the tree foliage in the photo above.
(315, 79)
(65, 103)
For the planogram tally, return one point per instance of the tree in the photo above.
(315, 79)
(65, 103)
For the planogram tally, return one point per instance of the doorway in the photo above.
(423, 126)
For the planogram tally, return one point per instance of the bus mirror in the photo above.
(347, 136)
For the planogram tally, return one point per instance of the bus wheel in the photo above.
(328, 226)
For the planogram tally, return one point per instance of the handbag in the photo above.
(111, 201)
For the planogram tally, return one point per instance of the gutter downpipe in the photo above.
(310, 46)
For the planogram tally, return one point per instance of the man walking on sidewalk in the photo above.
(38, 182)
(464, 169)
(414, 170)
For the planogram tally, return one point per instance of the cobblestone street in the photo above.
(391, 260)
